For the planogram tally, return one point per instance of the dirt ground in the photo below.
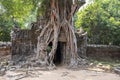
(60, 73)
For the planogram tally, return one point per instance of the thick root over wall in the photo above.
(60, 19)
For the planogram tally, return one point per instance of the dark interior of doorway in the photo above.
(58, 55)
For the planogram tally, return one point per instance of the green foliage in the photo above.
(19, 9)
(101, 20)
(23, 11)
(5, 27)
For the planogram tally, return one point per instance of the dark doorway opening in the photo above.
(58, 55)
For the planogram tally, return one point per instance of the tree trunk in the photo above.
(60, 18)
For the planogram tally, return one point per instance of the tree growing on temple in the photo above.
(58, 15)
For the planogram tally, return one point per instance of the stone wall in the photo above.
(23, 44)
(93, 51)
(5, 48)
(103, 51)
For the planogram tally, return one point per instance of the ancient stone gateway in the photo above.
(56, 36)
(24, 46)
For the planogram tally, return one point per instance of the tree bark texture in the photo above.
(60, 20)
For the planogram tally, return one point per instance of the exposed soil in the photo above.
(99, 71)
(60, 73)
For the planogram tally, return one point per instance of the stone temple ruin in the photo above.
(24, 44)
